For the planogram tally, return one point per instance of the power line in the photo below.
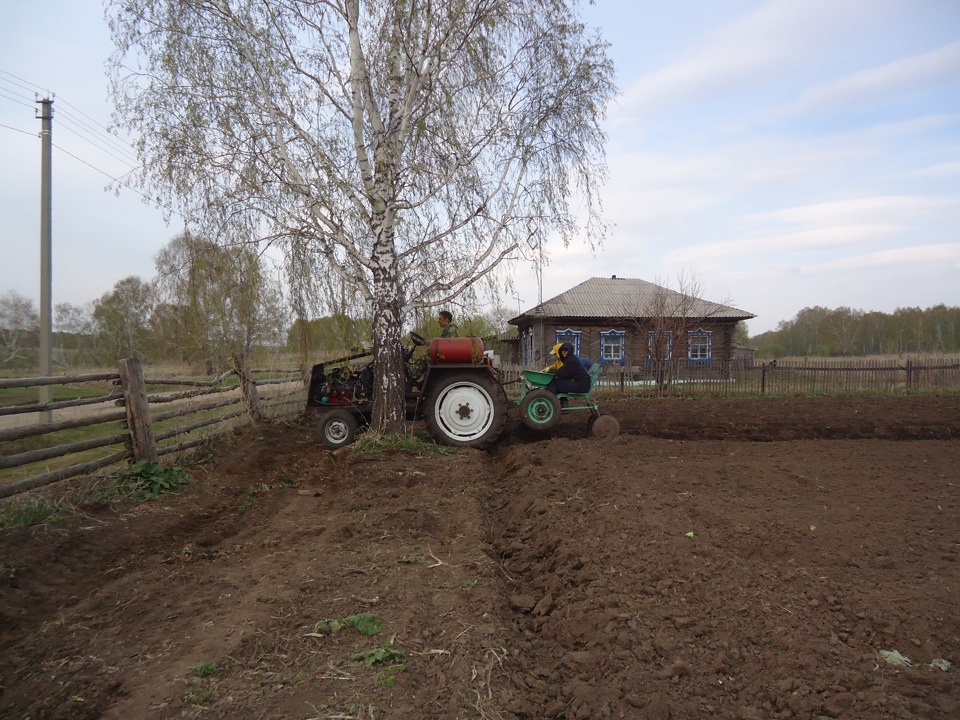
(67, 127)
(9, 127)
(100, 132)
(70, 105)
(104, 136)
(14, 99)
(70, 118)
(34, 87)
(13, 90)
(117, 180)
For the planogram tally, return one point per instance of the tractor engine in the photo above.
(342, 385)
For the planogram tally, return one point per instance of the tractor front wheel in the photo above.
(465, 409)
(338, 427)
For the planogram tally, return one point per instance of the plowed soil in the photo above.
(747, 559)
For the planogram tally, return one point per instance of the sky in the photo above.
(784, 153)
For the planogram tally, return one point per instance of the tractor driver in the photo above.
(417, 368)
(569, 373)
(447, 328)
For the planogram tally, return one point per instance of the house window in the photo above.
(699, 346)
(612, 346)
(572, 337)
(659, 346)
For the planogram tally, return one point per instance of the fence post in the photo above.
(909, 374)
(138, 410)
(248, 387)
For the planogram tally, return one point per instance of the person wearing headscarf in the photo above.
(569, 374)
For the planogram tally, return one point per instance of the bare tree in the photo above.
(668, 317)
(842, 328)
(18, 322)
(121, 318)
(76, 331)
(399, 150)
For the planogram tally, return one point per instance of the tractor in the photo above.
(459, 396)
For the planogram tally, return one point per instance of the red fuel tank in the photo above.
(456, 350)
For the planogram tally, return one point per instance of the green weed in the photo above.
(285, 481)
(205, 670)
(199, 696)
(145, 479)
(250, 500)
(385, 655)
(365, 623)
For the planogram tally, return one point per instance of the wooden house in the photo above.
(628, 323)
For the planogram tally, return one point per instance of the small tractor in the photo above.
(460, 396)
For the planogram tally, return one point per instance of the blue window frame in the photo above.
(699, 346)
(572, 337)
(659, 346)
(612, 346)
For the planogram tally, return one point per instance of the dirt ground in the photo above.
(748, 559)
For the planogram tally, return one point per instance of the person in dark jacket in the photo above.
(570, 376)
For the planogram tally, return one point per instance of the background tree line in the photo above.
(844, 331)
(207, 303)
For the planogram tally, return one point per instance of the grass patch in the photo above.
(205, 670)
(370, 443)
(58, 393)
(29, 511)
(199, 696)
(141, 481)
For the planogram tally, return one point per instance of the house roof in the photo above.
(615, 297)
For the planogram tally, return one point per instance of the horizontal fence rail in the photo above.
(114, 418)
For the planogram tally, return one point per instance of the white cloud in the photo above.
(856, 210)
(825, 238)
(885, 83)
(757, 48)
(898, 258)
(941, 170)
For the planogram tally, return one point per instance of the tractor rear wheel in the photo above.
(465, 409)
(338, 427)
(540, 410)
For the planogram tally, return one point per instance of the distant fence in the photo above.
(34, 454)
(860, 376)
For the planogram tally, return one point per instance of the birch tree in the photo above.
(121, 319)
(19, 326)
(215, 302)
(399, 149)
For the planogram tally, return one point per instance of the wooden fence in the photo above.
(827, 376)
(34, 454)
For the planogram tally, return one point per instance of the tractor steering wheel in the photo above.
(417, 339)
